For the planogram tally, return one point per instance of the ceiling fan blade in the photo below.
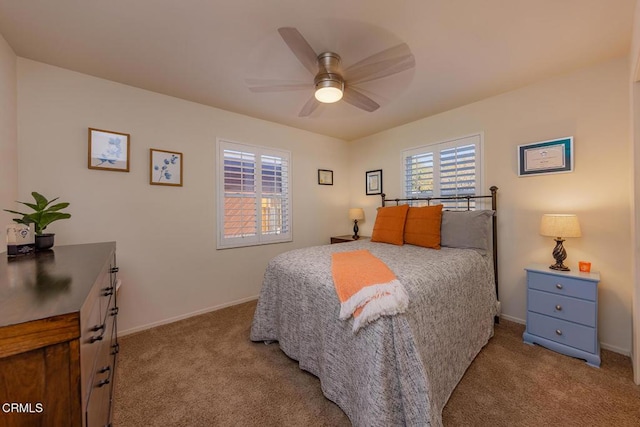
(388, 70)
(359, 100)
(309, 107)
(399, 54)
(300, 48)
(271, 85)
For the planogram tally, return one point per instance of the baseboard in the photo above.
(513, 319)
(130, 331)
(622, 351)
(615, 349)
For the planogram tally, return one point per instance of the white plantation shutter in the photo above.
(450, 168)
(253, 195)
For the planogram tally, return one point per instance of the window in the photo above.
(450, 168)
(254, 205)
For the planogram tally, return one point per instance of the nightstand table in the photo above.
(346, 238)
(562, 312)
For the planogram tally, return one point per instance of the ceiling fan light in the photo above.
(328, 91)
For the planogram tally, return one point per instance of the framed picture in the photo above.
(325, 177)
(109, 150)
(165, 168)
(553, 156)
(373, 182)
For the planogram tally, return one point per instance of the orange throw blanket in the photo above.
(366, 287)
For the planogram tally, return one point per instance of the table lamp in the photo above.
(356, 214)
(559, 226)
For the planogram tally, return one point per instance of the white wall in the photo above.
(592, 105)
(8, 136)
(165, 235)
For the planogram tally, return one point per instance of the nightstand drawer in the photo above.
(563, 332)
(568, 286)
(562, 307)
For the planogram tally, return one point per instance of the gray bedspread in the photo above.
(398, 370)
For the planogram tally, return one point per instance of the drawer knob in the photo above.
(559, 307)
(558, 332)
(559, 285)
(107, 291)
(114, 269)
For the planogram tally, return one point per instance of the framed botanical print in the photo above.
(373, 182)
(165, 167)
(109, 150)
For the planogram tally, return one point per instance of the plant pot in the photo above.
(44, 241)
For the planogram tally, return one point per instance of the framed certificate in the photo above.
(554, 156)
(325, 177)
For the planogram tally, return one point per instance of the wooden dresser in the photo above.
(58, 336)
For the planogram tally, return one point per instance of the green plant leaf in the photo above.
(31, 205)
(41, 201)
(47, 218)
(15, 212)
(57, 207)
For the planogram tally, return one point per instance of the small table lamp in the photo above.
(559, 226)
(356, 214)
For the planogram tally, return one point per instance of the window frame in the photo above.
(259, 238)
(436, 148)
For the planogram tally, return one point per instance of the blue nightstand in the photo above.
(562, 312)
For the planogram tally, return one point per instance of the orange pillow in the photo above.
(422, 227)
(389, 225)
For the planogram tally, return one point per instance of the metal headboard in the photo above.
(494, 191)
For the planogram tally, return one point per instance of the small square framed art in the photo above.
(165, 167)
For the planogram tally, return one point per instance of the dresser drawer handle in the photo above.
(107, 291)
(106, 381)
(99, 337)
(115, 349)
(103, 383)
(559, 307)
(558, 332)
(114, 269)
(97, 328)
(114, 311)
(559, 285)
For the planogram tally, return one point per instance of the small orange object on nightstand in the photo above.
(584, 266)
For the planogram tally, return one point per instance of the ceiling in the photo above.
(205, 50)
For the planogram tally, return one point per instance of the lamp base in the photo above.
(560, 267)
(559, 254)
(355, 230)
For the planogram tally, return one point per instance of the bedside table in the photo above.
(562, 312)
(346, 238)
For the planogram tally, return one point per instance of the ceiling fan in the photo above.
(331, 83)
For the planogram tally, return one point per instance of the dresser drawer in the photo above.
(567, 286)
(562, 307)
(563, 332)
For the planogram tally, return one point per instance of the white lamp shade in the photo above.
(356, 214)
(560, 225)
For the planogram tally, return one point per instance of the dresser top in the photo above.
(49, 283)
(593, 276)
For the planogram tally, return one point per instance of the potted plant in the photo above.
(44, 213)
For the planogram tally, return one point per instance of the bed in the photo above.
(400, 369)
